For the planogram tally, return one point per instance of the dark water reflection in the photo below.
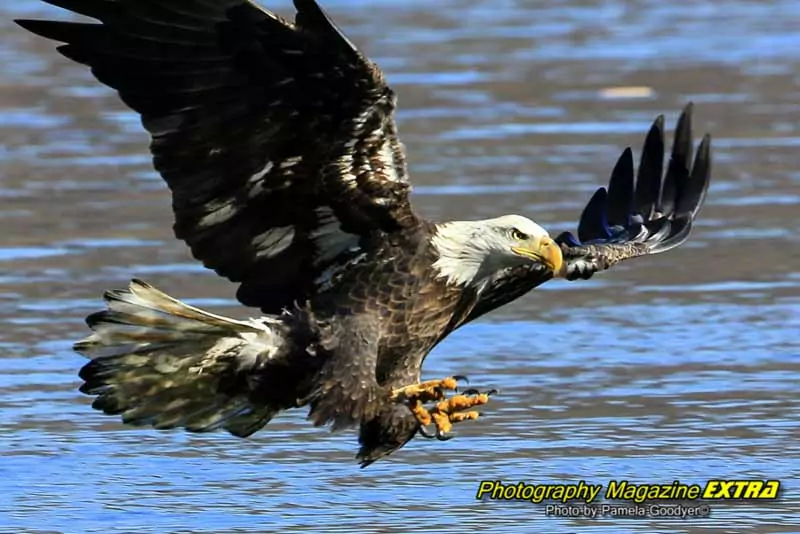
(683, 366)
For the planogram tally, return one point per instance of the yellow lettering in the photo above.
(641, 494)
(711, 489)
(594, 491)
(616, 490)
(753, 489)
(741, 489)
(497, 492)
(725, 487)
(737, 486)
(771, 489)
(719, 489)
(485, 487)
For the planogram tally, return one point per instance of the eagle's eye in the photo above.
(518, 236)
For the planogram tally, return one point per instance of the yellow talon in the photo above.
(432, 390)
(421, 413)
(461, 402)
(463, 416)
(442, 422)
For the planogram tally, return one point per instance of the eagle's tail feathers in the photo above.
(159, 362)
(245, 424)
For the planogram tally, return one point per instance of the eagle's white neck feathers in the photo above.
(474, 252)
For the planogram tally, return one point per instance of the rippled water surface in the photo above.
(681, 366)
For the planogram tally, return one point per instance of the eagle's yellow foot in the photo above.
(432, 390)
(450, 411)
(416, 395)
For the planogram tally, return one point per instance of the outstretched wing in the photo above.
(277, 139)
(649, 217)
(635, 216)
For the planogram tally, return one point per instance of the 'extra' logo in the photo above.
(741, 489)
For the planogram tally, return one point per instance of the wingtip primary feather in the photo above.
(680, 160)
(97, 9)
(651, 168)
(62, 32)
(620, 190)
(311, 15)
(592, 224)
(696, 189)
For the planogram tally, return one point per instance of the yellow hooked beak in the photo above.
(543, 250)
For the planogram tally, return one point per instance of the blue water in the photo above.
(682, 366)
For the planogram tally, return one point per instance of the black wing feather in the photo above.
(679, 162)
(620, 190)
(277, 139)
(694, 191)
(651, 167)
(592, 224)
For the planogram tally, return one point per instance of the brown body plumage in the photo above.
(414, 310)
(278, 142)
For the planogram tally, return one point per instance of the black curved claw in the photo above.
(426, 434)
(460, 378)
(474, 391)
(441, 436)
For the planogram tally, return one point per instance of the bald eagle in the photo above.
(278, 142)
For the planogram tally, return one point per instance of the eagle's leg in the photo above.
(451, 410)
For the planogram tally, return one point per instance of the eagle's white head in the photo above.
(474, 252)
